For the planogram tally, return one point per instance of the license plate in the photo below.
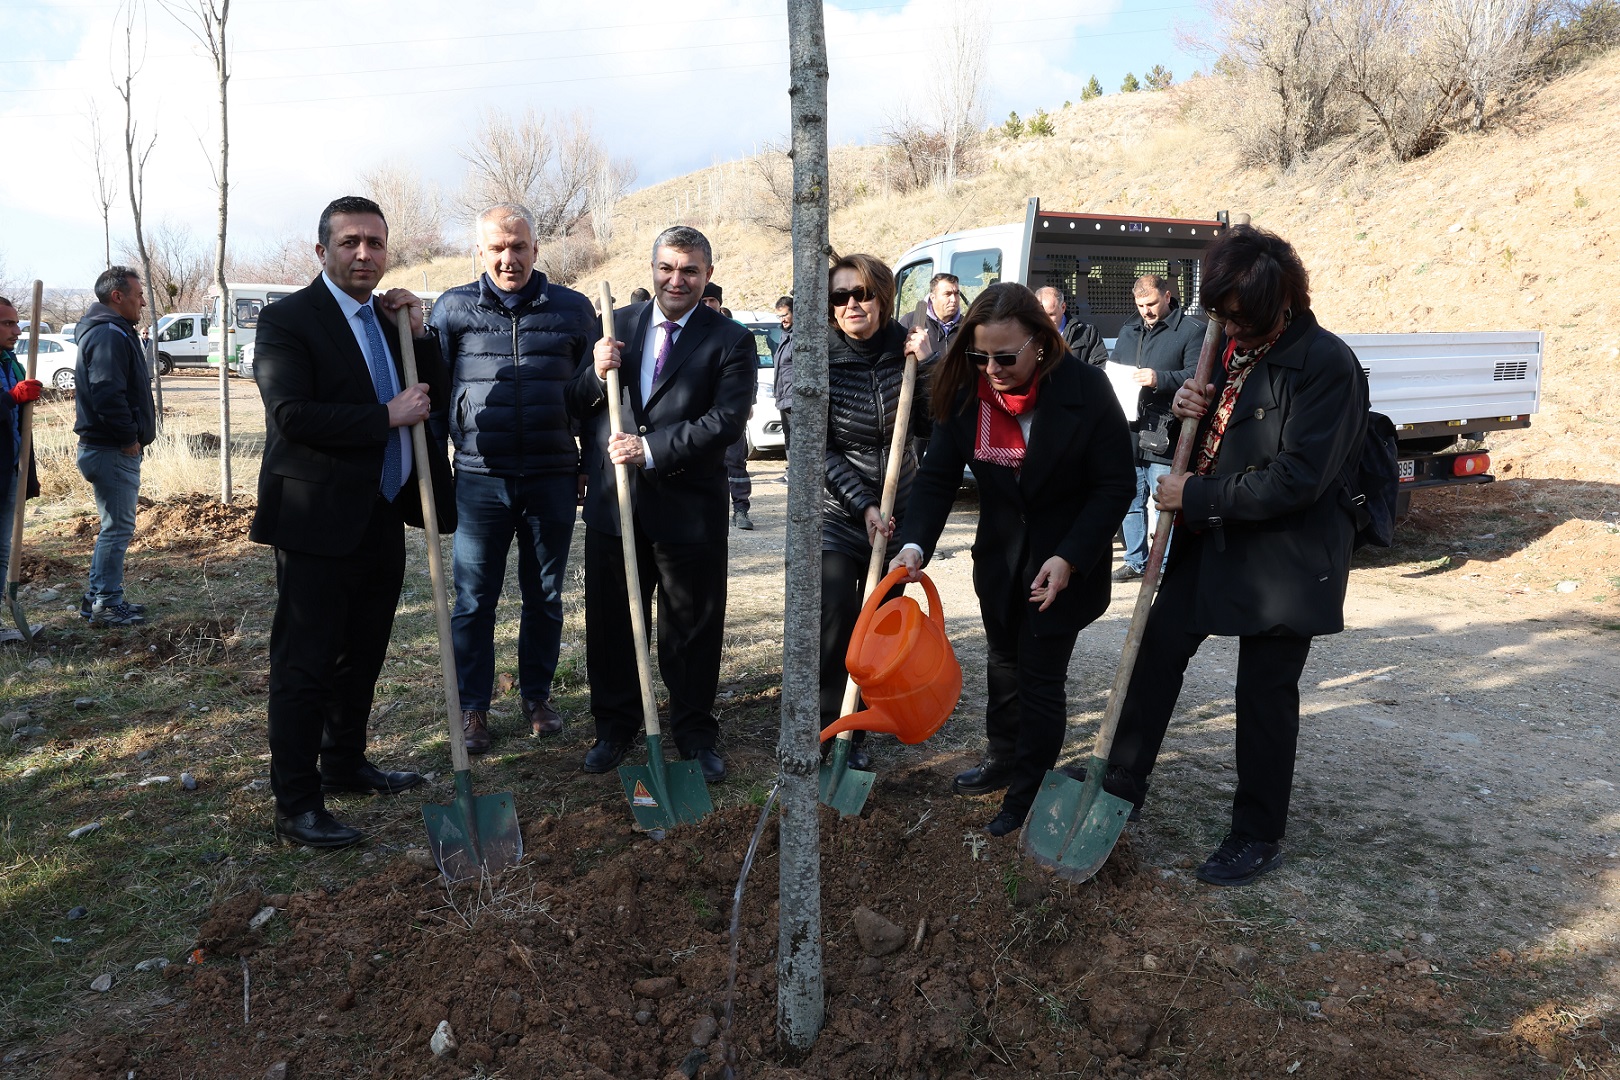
(1407, 470)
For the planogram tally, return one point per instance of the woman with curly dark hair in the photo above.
(1047, 442)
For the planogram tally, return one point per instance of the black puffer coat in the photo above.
(863, 396)
(508, 370)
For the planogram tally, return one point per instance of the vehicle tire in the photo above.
(63, 380)
(165, 364)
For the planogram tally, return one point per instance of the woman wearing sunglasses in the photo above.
(1050, 449)
(866, 362)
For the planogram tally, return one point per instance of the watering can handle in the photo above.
(894, 577)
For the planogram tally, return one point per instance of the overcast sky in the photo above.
(323, 90)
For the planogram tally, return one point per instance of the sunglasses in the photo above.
(1002, 359)
(860, 294)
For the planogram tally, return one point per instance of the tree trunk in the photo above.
(222, 58)
(800, 996)
(136, 165)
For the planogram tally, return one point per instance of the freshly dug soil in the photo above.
(191, 523)
(605, 954)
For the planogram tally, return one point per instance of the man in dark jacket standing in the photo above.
(1162, 343)
(940, 315)
(1083, 339)
(15, 391)
(512, 341)
(116, 421)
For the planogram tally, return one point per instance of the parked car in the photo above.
(57, 357)
(764, 426)
(44, 327)
(71, 331)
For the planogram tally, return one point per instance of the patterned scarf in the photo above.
(1000, 440)
(1238, 364)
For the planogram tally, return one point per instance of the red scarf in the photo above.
(1000, 440)
(1238, 366)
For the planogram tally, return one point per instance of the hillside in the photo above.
(1508, 229)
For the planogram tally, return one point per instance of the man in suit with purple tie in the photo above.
(687, 382)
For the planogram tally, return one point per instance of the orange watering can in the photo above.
(900, 658)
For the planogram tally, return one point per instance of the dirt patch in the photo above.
(192, 523)
(605, 955)
(38, 568)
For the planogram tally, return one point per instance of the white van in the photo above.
(236, 317)
(182, 341)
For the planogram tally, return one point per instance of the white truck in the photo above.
(182, 340)
(1443, 391)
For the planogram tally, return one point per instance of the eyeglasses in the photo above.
(1002, 359)
(860, 294)
(1235, 319)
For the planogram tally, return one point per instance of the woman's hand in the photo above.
(1053, 579)
(1191, 402)
(875, 525)
(911, 559)
(917, 344)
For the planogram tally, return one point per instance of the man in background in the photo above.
(742, 487)
(116, 420)
(512, 340)
(1083, 339)
(16, 390)
(940, 313)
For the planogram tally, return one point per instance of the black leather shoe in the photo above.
(859, 759)
(1118, 783)
(714, 770)
(604, 756)
(987, 776)
(1007, 821)
(367, 779)
(316, 828)
(1239, 861)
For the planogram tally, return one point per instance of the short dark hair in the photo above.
(1002, 302)
(348, 204)
(684, 238)
(873, 273)
(114, 279)
(1260, 271)
(784, 302)
(6, 302)
(937, 278)
(640, 296)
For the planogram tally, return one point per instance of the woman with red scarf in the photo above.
(1263, 534)
(1048, 444)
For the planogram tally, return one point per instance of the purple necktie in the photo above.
(665, 347)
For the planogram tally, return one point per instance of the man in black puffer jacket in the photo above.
(512, 341)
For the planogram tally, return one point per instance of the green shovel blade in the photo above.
(843, 788)
(1074, 826)
(475, 834)
(665, 794)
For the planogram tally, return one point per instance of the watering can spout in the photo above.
(865, 720)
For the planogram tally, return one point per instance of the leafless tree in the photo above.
(288, 260)
(208, 20)
(136, 152)
(548, 163)
(957, 81)
(800, 990)
(180, 265)
(414, 209)
(106, 180)
(1489, 43)
(612, 179)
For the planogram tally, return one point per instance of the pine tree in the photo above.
(1093, 90)
(1159, 78)
(1130, 85)
(1014, 127)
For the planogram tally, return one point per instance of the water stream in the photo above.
(728, 1050)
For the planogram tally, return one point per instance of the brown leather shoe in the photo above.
(475, 723)
(543, 719)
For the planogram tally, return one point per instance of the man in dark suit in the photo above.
(337, 486)
(688, 378)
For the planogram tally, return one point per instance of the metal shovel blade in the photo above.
(843, 788)
(665, 794)
(1074, 826)
(474, 835)
(18, 615)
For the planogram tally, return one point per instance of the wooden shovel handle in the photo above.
(25, 449)
(430, 526)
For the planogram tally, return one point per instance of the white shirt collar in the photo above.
(348, 304)
(658, 310)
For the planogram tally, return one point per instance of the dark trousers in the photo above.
(1268, 674)
(1026, 709)
(843, 585)
(490, 512)
(327, 644)
(742, 488)
(690, 580)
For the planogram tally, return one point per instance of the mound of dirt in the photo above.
(191, 523)
(606, 955)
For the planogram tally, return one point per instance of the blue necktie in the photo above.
(393, 456)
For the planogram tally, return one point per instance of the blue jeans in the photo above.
(1141, 519)
(490, 512)
(8, 506)
(115, 477)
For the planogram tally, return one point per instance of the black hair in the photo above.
(1257, 271)
(348, 204)
(114, 279)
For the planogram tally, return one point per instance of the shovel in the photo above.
(842, 788)
(1074, 826)
(662, 794)
(24, 452)
(476, 834)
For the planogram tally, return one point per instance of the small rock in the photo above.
(157, 963)
(265, 915)
(32, 770)
(1334, 1007)
(443, 1041)
(144, 755)
(878, 936)
(278, 1071)
(43, 663)
(11, 721)
(694, 1061)
(1568, 586)
(78, 913)
(421, 857)
(1150, 962)
(102, 983)
(704, 1030)
(1315, 946)
(84, 703)
(978, 980)
(643, 1017)
(1242, 959)
(150, 780)
(59, 940)
(1394, 956)
(188, 781)
(84, 830)
(45, 596)
(656, 988)
(256, 785)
